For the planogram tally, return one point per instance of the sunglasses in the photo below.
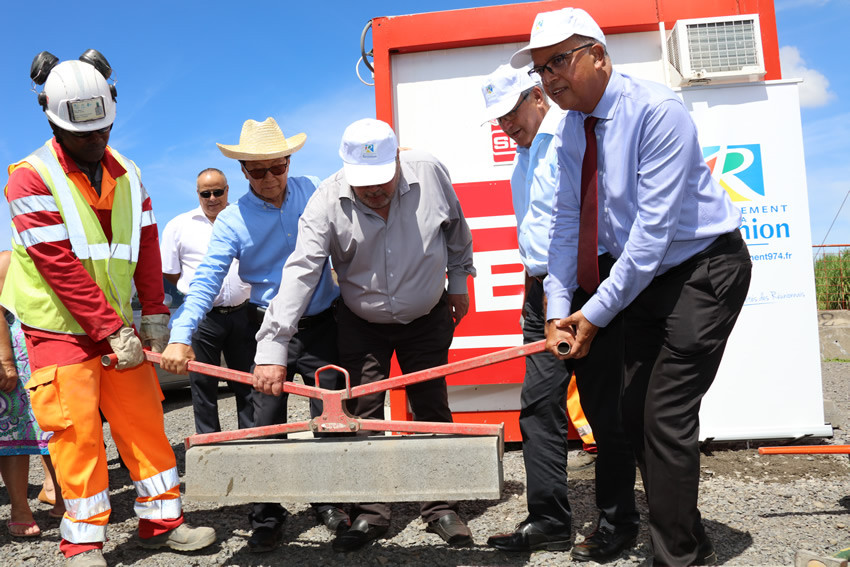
(261, 172)
(100, 132)
(207, 194)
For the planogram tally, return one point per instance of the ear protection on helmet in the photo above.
(96, 59)
(40, 68)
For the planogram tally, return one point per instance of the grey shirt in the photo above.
(391, 271)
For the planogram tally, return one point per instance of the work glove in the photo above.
(154, 332)
(127, 346)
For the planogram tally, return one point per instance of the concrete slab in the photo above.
(350, 469)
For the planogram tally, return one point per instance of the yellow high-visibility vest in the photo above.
(110, 264)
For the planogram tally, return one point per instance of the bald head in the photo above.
(212, 192)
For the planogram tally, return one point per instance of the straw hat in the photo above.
(261, 141)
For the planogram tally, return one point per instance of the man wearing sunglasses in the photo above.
(260, 230)
(513, 97)
(226, 329)
(83, 233)
(634, 184)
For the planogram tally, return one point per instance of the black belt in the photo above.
(721, 241)
(540, 278)
(225, 309)
(304, 322)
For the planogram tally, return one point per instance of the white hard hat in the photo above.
(78, 97)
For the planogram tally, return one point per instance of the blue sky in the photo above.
(189, 73)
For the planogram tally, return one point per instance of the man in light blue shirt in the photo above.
(260, 231)
(518, 103)
(682, 269)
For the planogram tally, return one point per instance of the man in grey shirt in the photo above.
(392, 225)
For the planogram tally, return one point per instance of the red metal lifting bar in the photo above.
(335, 418)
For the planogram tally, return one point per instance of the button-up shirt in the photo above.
(261, 236)
(183, 247)
(533, 185)
(389, 271)
(658, 204)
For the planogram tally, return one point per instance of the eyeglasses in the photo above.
(100, 132)
(208, 194)
(261, 172)
(512, 114)
(557, 62)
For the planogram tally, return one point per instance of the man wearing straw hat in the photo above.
(394, 227)
(260, 230)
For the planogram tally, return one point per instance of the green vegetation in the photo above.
(832, 280)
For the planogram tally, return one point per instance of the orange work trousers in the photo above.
(576, 414)
(66, 400)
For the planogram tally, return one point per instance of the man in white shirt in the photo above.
(227, 328)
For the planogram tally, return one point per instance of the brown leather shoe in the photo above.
(452, 529)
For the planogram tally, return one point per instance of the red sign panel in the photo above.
(504, 148)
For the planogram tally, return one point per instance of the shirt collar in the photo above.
(550, 122)
(108, 161)
(607, 105)
(199, 214)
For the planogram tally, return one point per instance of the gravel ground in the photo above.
(758, 510)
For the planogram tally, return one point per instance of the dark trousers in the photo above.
(677, 330)
(313, 346)
(365, 350)
(229, 334)
(543, 421)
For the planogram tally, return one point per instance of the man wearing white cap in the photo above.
(260, 231)
(394, 228)
(629, 149)
(514, 99)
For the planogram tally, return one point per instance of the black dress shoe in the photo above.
(358, 535)
(705, 553)
(452, 529)
(265, 539)
(604, 544)
(530, 536)
(335, 519)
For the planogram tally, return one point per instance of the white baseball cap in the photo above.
(368, 151)
(502, 89)
(551, 28)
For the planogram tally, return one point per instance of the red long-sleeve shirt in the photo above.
(66, 275)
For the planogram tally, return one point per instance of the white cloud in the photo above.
(814, 90)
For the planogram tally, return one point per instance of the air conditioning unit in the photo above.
(716, 50)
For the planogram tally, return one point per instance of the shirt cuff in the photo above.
(181, 335)
(557, 308)
(271, 352)
(457, 283)
(594, 312)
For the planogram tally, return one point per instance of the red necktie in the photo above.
(588, 262)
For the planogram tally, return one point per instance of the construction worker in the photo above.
(228, 327)
(633, 182)
(393, 226)
(260, 229)
(83, 232)
(516, 100)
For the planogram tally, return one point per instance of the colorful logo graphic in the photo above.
(737, 169)
(489, 89)
(368, 151)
